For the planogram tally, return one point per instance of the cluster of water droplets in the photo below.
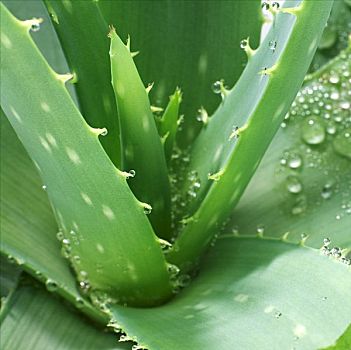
(320, 121)
(334, 252)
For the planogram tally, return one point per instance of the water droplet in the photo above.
(244, 43)
(342, 143)
(217, 87)
(326, 251)
(173, 270)
(132, 173)
(104, 132)
(79, 303)
(327, 190)
(346, 261)
(35, 27)
(59, 235)
(334, 79)
(326, 241)
(147, 209)
(293, 184)
(324, 298)
(202, 115)
(51, 285)
(278, 314)
(260, 230)
(313, 132)
(294, 161)
(331, 128)
(336, 252)
(275, 5)
(44, 187)
(265, 6)
(272, 45)
(184, 280)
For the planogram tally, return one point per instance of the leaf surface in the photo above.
(302, 186)
(189, 44)
(88, 194)
(36, 320)
(250, 294)
(83, 36)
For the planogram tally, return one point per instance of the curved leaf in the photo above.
(38, 321)
(302, 186)
(189, 44)
(28, 227)
(250, 294)
(83, 35)
(89, 195)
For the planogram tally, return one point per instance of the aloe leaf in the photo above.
(169, 122)
(88, 194)
(335, 34)
(9, 275)
(28, 227)
(83, 35)
(343, 343)
(308, 166)
(36, 320)
(232, 161)
(141, 147)
(186, 44)
(251, 294)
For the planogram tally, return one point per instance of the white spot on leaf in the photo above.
(86, 198)
(45, 107)
(73, 155)
(5, 40)
(241, 298)
(51, 139)
(108, 212)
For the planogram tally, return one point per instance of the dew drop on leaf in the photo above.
(313, 132)
(272, 45)
(51, 285)
(293, 185)
(217, 87)
(35, 27)
(244, 43)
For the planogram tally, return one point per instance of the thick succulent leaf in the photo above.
(169, 122)
(189, 44)
(303, 184)
(343, 343)
(251, 294)
(142, 149)
(256, 106)
(46, 38)
(335, 34)
(38, 321)
(89, 195)
(9, 275)
(83, 35)
(28, 227)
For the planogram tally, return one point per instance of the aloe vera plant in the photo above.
(175, 229)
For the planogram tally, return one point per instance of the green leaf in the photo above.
(89, 195)
(189, 44)
(9, 275)
(335, 37)
(83, 35)
(232, 160)
(303, 188)
(343, 343)
(250, 294)
(36, 320)
(142, 149)
(169, 122)
(28, 227)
